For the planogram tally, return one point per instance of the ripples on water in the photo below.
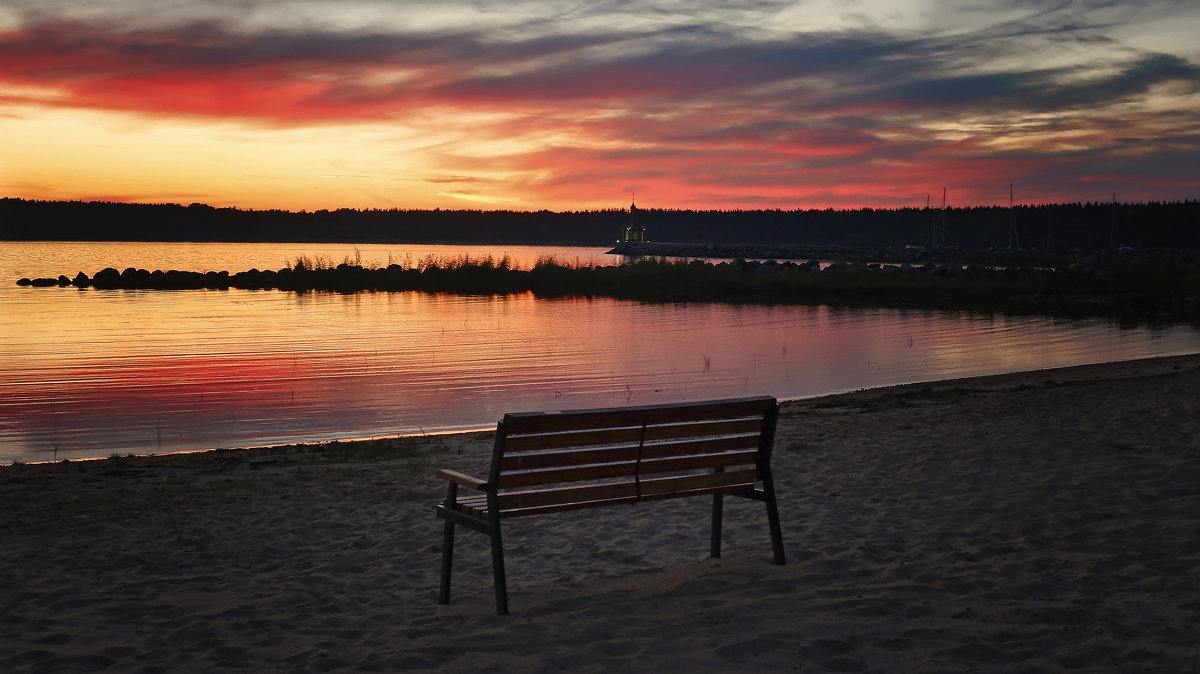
(90, 373)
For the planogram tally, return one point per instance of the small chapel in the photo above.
(633, 231)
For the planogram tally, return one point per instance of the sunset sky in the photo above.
(566, 104)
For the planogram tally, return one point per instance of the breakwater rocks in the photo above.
(111, 279)
(342, 278)
(1097, 283)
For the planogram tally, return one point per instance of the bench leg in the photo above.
(447, 561)
(498, 571)
(773, 521)
(717, 512)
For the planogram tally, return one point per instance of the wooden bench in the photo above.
(546, 462)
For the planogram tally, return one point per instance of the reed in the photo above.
(310, 263)
(466, 262)
(1110, 284)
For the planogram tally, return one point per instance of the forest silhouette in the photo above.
(1054, 227)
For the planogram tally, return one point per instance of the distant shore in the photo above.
(909, 253)
(1035, 521)
(765, 251)
(1057, 227)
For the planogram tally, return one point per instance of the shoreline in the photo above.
(1124, 368)
(1032, 521)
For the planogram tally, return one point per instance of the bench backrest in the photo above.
(549, 461)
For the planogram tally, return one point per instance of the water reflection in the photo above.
(90, 372)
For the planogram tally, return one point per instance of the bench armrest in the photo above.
(461, 479)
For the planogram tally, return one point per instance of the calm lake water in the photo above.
(91, 373)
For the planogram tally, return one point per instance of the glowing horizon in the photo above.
(573, 106)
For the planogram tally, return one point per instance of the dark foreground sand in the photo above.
(1032, 522)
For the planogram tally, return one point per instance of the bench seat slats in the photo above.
(590, 455)
(582, 505)
(612, 491)
(525, 423)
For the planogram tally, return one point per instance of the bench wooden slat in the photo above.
(525, 423)
(626, 490)
(623, 491)
(699, 446)
(651, 490)
(702, 483)
(735, 426)
(478, 504)
(461, 479)
(591, 436)
(563, 507)
(627, 467)
(741, 457)
(580, 437)
(567, 457)
(591, 455)
(599, 471)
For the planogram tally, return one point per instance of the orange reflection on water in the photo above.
(96, 372)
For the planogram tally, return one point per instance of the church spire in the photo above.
(633, 232)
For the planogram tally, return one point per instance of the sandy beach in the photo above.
(1034, 522)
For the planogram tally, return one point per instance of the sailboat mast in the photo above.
(1014, 238)
(942, 226)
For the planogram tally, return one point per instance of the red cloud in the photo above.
(820, 121)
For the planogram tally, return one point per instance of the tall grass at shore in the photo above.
(1104, 284)
(444, 273)
(429, 262)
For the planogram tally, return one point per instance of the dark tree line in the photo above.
(1045, 227)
